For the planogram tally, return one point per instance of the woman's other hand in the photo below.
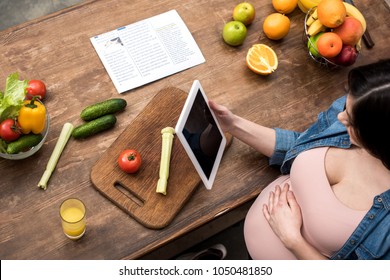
(284, 215)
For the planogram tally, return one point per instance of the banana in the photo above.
(315, 28)
(312, 18)
(359, 45)
(352, 11)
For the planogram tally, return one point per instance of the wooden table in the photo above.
(57, 49)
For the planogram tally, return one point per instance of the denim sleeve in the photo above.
(336, 107)
(285, 139)
(321, 129)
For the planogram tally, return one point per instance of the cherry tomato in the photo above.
(129, 161)
(36, 87)
(9, 130)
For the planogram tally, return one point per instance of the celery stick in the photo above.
(60, 145)
(166, 148)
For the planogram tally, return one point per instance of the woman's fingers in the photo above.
(283, 194)
(291, 200)
(216, 107)
(280, 198)
(277, 195)
(271, 198)
(266, 212)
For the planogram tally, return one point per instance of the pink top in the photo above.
(327, 222)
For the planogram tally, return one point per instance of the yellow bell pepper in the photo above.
(32, 117)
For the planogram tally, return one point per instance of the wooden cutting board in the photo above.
(136, 193)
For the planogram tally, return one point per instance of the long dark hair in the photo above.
(369, 85)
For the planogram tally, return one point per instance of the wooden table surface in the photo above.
(56, 49)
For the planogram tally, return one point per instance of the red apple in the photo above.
(346, 57)
(350, 31)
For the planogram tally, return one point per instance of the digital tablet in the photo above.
(200, 134)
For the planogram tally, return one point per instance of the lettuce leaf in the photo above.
(3, 146)
(12, 99)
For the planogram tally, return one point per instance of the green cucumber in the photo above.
(106, 107)
(95, 126)
(24, 143)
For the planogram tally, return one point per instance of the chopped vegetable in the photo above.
(61, 143)
(167, 140)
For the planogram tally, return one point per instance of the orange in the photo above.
(284, 6)
(331, 13)
(276, 26)
(329, 44)
(262, 59)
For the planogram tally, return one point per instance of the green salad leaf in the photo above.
(3, 146)
(12, 99)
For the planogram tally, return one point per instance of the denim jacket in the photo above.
(371, 239)
(327, 131)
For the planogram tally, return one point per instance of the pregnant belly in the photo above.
(261, 242)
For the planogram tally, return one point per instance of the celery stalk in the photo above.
(166, 148)
(60, 145)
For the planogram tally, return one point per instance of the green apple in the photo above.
(244, 12)
(234, 33)
(312, 44)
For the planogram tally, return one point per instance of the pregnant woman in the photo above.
(332, 200)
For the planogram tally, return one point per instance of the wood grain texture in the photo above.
(57, 49)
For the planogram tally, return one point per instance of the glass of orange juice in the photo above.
(72, 212)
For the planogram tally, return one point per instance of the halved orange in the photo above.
(262, 59)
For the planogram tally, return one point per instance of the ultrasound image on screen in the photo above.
(202, 134)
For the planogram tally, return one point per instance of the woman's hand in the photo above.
(224, 115)
(284, 215)
(261, 138)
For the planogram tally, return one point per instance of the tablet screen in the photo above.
(200, 135)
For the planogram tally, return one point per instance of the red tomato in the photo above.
(9, 130)
(36, 87)
(129, 161)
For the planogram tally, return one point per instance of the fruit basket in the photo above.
(348, 54)
(33, 150)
